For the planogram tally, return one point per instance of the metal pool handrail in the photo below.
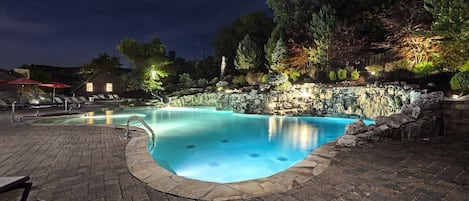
(139, 119)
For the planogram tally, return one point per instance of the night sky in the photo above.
(71, 33)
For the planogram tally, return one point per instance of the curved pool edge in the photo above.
(142, 166)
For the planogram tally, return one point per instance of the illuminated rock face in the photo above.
(318, 100)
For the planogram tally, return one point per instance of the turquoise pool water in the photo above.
(224, 147)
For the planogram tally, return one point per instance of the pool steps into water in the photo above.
(139, 119)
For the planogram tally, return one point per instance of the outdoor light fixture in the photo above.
(153, 74)
(305, 94)
(272, 105)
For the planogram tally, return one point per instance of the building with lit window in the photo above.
(101, 82)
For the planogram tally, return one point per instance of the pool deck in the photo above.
(68, 162)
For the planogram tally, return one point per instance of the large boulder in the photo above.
(428, 100)
(348, 141)
(411, 110)
(355, 127)
(394, 121)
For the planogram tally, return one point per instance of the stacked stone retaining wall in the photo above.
(455, 117)
(311, 99)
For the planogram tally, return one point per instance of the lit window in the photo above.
(108, 87)
(89, 87)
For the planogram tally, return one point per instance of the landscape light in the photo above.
(153, 74)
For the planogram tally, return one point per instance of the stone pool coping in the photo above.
(142, 166)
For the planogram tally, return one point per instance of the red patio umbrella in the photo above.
(23, 81)
(55, 85)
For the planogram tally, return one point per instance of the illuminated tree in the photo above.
(278, 56)
(247, 55)
(451, 20)
(149, 60)
(257, 25)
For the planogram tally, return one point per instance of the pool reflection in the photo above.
(294, 134)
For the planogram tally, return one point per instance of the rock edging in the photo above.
(142, 166)
(419, 119)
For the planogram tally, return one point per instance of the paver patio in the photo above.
(88, 163)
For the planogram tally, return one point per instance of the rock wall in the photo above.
(201, 99)
(311, 99)
(420, 119)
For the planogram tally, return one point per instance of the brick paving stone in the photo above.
(88, 163)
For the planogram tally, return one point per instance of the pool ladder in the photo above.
(139, 119)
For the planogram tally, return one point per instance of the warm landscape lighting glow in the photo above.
(153, 74)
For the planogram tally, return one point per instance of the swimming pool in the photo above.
(222, 146)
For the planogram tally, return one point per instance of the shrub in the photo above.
(202, 82)
(354, 75)
(460, 81)
(276, 78)
(341, 74)
(265, 78)
(185, 79)
(332, 75)
(254, 78)
(284, 86)
(464, 67)
(396, 65)
(214, 80)
(374, 69)
(222, 84)
(292, 74)
(239, 80)
(423, 68)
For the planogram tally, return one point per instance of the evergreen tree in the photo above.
(257, 25)
(278, 55)
(451, 20)
(321, 23)
(247, 55)
(320, 26)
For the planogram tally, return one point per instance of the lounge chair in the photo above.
(40, 103)
(20, 103)
(3, 105)
(83, 100)
(13, 183)
(96, 97)
(69, 101)
(102, 97)
(75, 100)
(59, 101)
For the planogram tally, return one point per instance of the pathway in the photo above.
(88, 163)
